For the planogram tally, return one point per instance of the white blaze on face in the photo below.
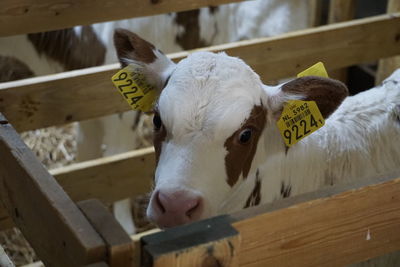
(206, 101)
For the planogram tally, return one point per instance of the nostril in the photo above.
(159, 203)
(176, 207)
(190, 212)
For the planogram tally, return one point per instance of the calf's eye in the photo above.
(157, 122)
(245, 136)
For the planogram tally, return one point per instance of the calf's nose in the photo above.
(176, 208)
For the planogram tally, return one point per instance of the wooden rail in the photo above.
(107, 179)
(79, 95)
(26, 16)
(332, 227)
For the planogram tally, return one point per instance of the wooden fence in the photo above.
(59, 214)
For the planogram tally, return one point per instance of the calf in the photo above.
(218, 149)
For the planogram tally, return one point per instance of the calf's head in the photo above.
(208, 127)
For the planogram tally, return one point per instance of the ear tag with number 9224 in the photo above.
(131, 83)
(298, 120)
(301, 118)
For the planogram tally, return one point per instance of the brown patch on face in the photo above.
(190, 37)
(255, 197)
(327, 93)
(12, 69)
(159, 135)
(130, 46)
(240, 156)
(72, 51)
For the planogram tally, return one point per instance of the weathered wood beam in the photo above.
(334, 227)
(79, 95)
(110, 178)
(26, 16)
(120, 247)
(211, 242)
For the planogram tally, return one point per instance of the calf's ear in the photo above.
(131, 49)
(327, 93)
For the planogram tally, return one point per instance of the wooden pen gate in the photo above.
(338, 226)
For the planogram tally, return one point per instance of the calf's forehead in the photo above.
(211, 93)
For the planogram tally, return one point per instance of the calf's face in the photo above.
(206, 130)
(208, 125)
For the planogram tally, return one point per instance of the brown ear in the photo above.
(131, 49)
(326, 92)
(130, 46)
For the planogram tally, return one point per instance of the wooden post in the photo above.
(53, 224)
(388, 65)
(208, 243)
(315, 13)
(118, 242)
(340, 11)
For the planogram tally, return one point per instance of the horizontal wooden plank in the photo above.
(26, 16)
(334, 230)
(111, 178)
(79, 95)
(53, 224)
(107, 179)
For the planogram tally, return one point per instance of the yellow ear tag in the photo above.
(315, 70)
(301, 118)
(131, 83)
(298, 120)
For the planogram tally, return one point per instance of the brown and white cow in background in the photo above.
(51, 52)
(218, 148)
